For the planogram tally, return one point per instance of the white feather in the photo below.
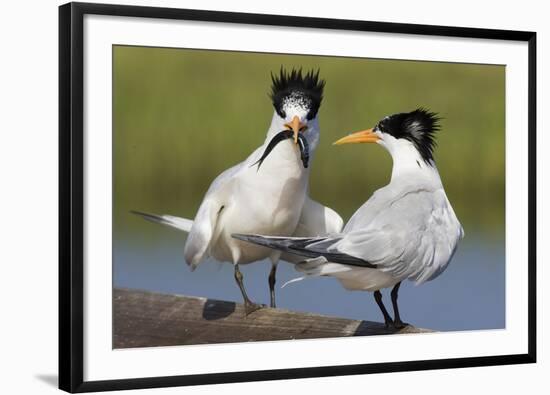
(179, 223)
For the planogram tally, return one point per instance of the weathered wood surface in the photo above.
(147, 319)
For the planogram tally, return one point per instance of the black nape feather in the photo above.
(294, 85)
(418, 126)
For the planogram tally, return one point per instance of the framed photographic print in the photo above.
(217, 214)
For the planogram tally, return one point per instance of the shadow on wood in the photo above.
(147, 319)
(217, 309)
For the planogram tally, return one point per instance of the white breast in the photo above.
(266, 201)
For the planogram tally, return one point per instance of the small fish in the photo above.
(304, 149)
(281, 136)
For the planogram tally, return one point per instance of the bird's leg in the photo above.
(272, 279)
(387, 319)
(397, 323)
(249, 306)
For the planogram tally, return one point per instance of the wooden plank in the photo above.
(147, 319)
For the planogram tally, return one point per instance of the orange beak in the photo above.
(296, 126)
(364, 136)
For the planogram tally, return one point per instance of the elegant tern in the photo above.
(267, 193)
(406, 230)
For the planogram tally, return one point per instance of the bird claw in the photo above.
(395, 325)
(250, 307)
(400, 325)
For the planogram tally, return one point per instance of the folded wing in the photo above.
(408, 243)
(416, 244)
(315, 220)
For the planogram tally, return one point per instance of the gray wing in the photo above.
(412, 235)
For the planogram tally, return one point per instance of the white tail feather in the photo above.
(179, 223)
(292, 281)
(311, 267)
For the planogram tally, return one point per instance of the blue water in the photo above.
(469, 295)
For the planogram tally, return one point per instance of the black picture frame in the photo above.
(71, 204)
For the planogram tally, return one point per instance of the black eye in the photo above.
(282, 113)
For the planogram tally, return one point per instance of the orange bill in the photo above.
(296, 126)
(364, 136)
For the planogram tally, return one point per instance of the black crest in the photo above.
(418, 126)
(294, 85)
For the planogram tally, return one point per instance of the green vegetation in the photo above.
(183, 116)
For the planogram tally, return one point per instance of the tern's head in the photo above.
(415, 129)
(296, 98)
